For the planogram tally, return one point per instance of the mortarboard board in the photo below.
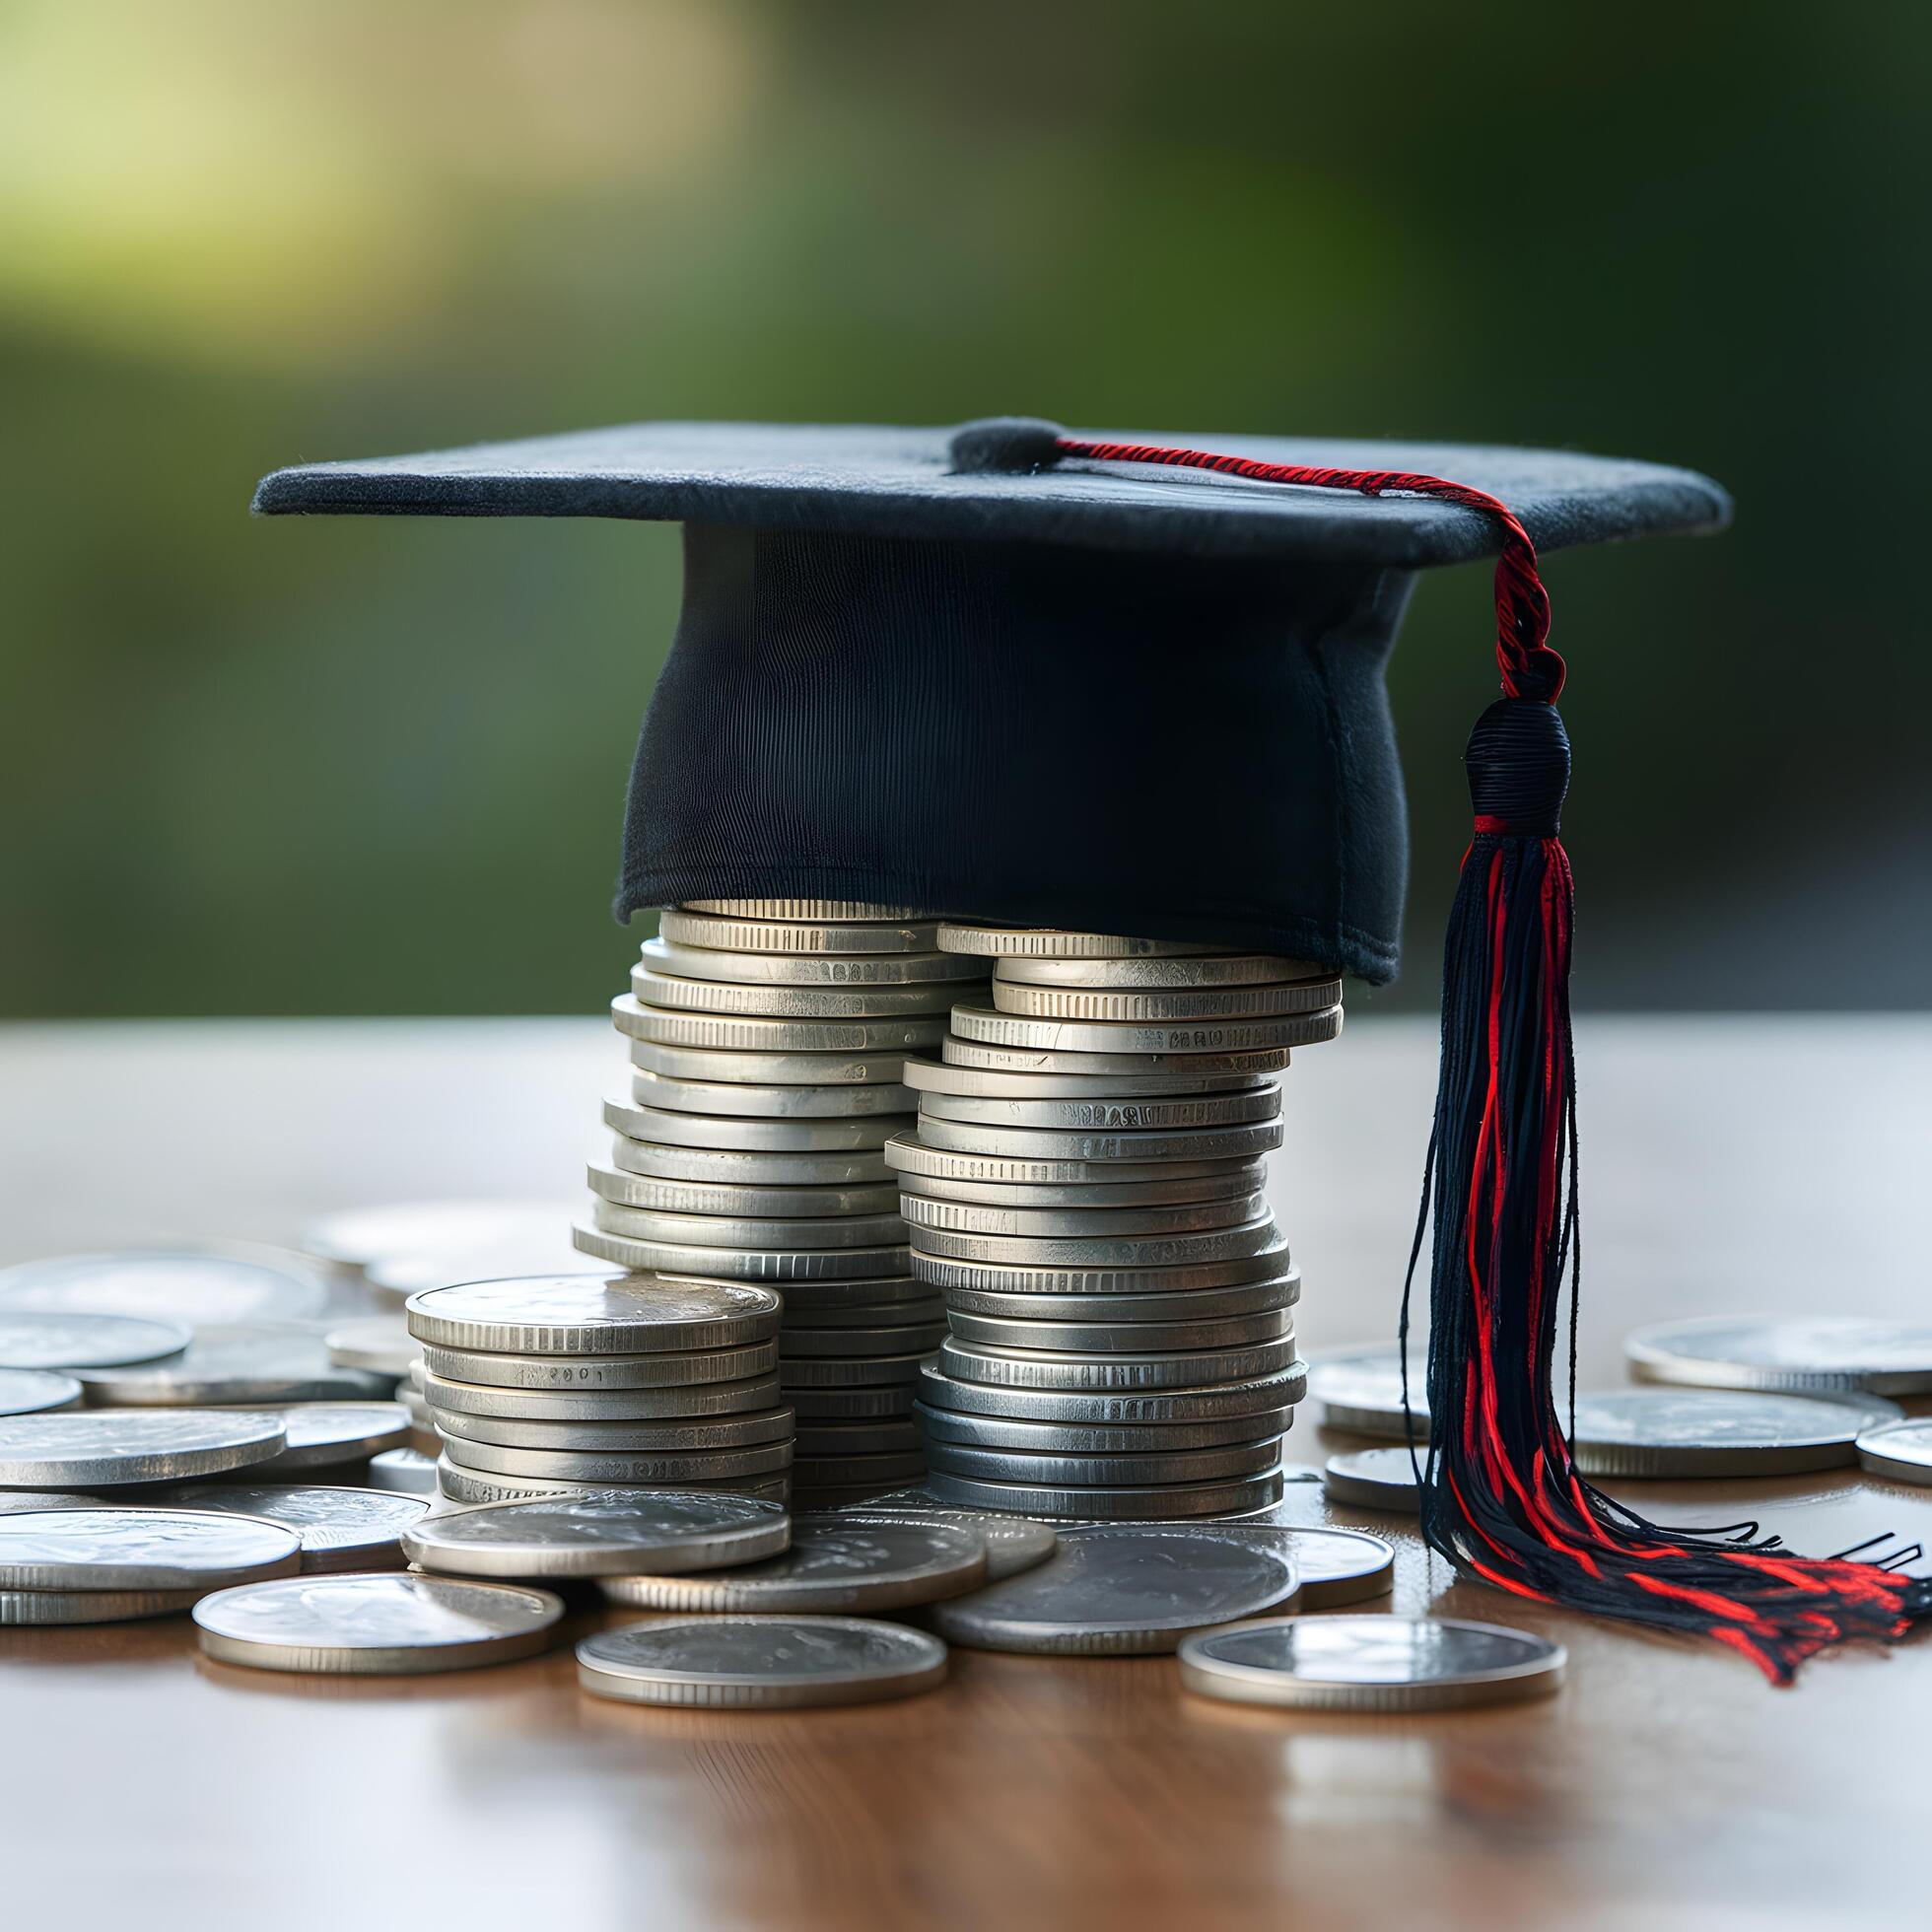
(1116, 682)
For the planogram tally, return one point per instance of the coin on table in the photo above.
(656, 1532)
(665, 1369)
(859, 1001)
(738, 933)
(140, 1549)
(371, 1625)
(1124, 1591)
(594, 1313)
(1899, 1450)
(1013, 1542)
(664, 1437)
(1361, 1389)
(1152, 1007)
(321, 1433)
(761, 1663)
(340, 1529)
(728, 1167)
(1375, 1663)
(1113, 1408)
(1685, 1432)
(28, 1609)
(835, 1564)
(1152, 1081)
(404, 1472)
(381, 1342)
(14, 1500)
(1153, 972)
(68, 1341)
(1336, 1566)
(1121, 1503)
(242, 1363)
(1036, 1369)
(776, 1264)
(91, 1449)
(184, 1286)
(667, 1407)
(35, 1391)
(1787, 1352)
(1373, 1479)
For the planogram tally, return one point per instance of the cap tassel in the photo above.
(1501, 1497)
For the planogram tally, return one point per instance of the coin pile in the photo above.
(1084, 1184)
(768, 1040)
(557, 1384)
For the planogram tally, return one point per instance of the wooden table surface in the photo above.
(1730, 1165)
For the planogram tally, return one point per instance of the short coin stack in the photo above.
(559, 1384)
(1085, 1185)
(768, 1041)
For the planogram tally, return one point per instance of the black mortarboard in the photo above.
(1134, 684)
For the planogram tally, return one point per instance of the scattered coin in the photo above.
(322, 1433)
(657, 1532)
(242, 1363)
(1373, 1479)
(1792, 1353)
(1013, 1542)
(140, 1549)
(69, 1341)
(340, 1529)
(1685, 1432)
(374, 1624)
(761, 1662)
(1375, 1663)
(91, 1449)
(35, 1391)
(22, 1608)
(1336, 1566)
(1361, 1389)
(182, 1287)
(1899, 1450)
(845, 1562)
(382, 1344)
(14, 1500)
(405, 1472)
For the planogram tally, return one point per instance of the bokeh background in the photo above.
(315, 766)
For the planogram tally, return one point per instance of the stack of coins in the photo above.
(559, 1384)
(1085, 1185)
(768, 1041)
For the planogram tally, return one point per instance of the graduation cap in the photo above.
(1133, 683)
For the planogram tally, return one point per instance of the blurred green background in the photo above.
(317, 766)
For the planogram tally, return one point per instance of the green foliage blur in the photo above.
(319, 766)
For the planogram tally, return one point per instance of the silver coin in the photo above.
(374, 1624)
(322, 1433)
(761, 1663)
(1162, 1081)
(404, 1472)
(467, 1488)
(146, 1549)
(612, 1467)
(667, 1370)
(594, 1313)
(883, 1069)
(1044, 943)
(1680, 1432)
(958, 1427)
(1241, 1141)
(809, 969)
(741, 1263)
(1239, 1242)
(1373, 1479)
(1123, 1591)
(1031, 1470)
(1110, 1038)
(1336, 1566)
(740, 1033)
(657, 990)
(1361, 1389)
(239, 1363)
(731, 1169)
(1085, 1278)
(808, 1302)
(747, 1132)
(1125, 1337)
(1183, 1217)
(849, 1404)
(1792, 1353)
(803, 911)
(1899, 1450)
(186, 1286)
(835, 1564)
(721, 934)
(1143, 1067)
(838, 1372)
(1013, 1542)
(569, 1404)
(27, 1608)
(922, 1313)
(1208, 1007)
(656, 1533)
(733, 1200)
(1193, 1369)
(913, 1338)
(14, 1500)
(340, 1529)
(1377, 1663)
(1113, 1408)
(382, 1344)
(915, 1163)
(93, 1449)
(405, 1229)
(35, 1391)
(751, 1100)
(1179, 1112)
(1204, 1305)
(1241, 1177)
(738, 1232)
(60, 1341)
(681, 1435)
(1155, 1502)
(1190, 970)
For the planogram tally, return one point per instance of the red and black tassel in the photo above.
(1501, 1497)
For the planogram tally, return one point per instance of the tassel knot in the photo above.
(1518, 763)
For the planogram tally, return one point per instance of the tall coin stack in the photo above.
(1085, 1185)
(768, 1043)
